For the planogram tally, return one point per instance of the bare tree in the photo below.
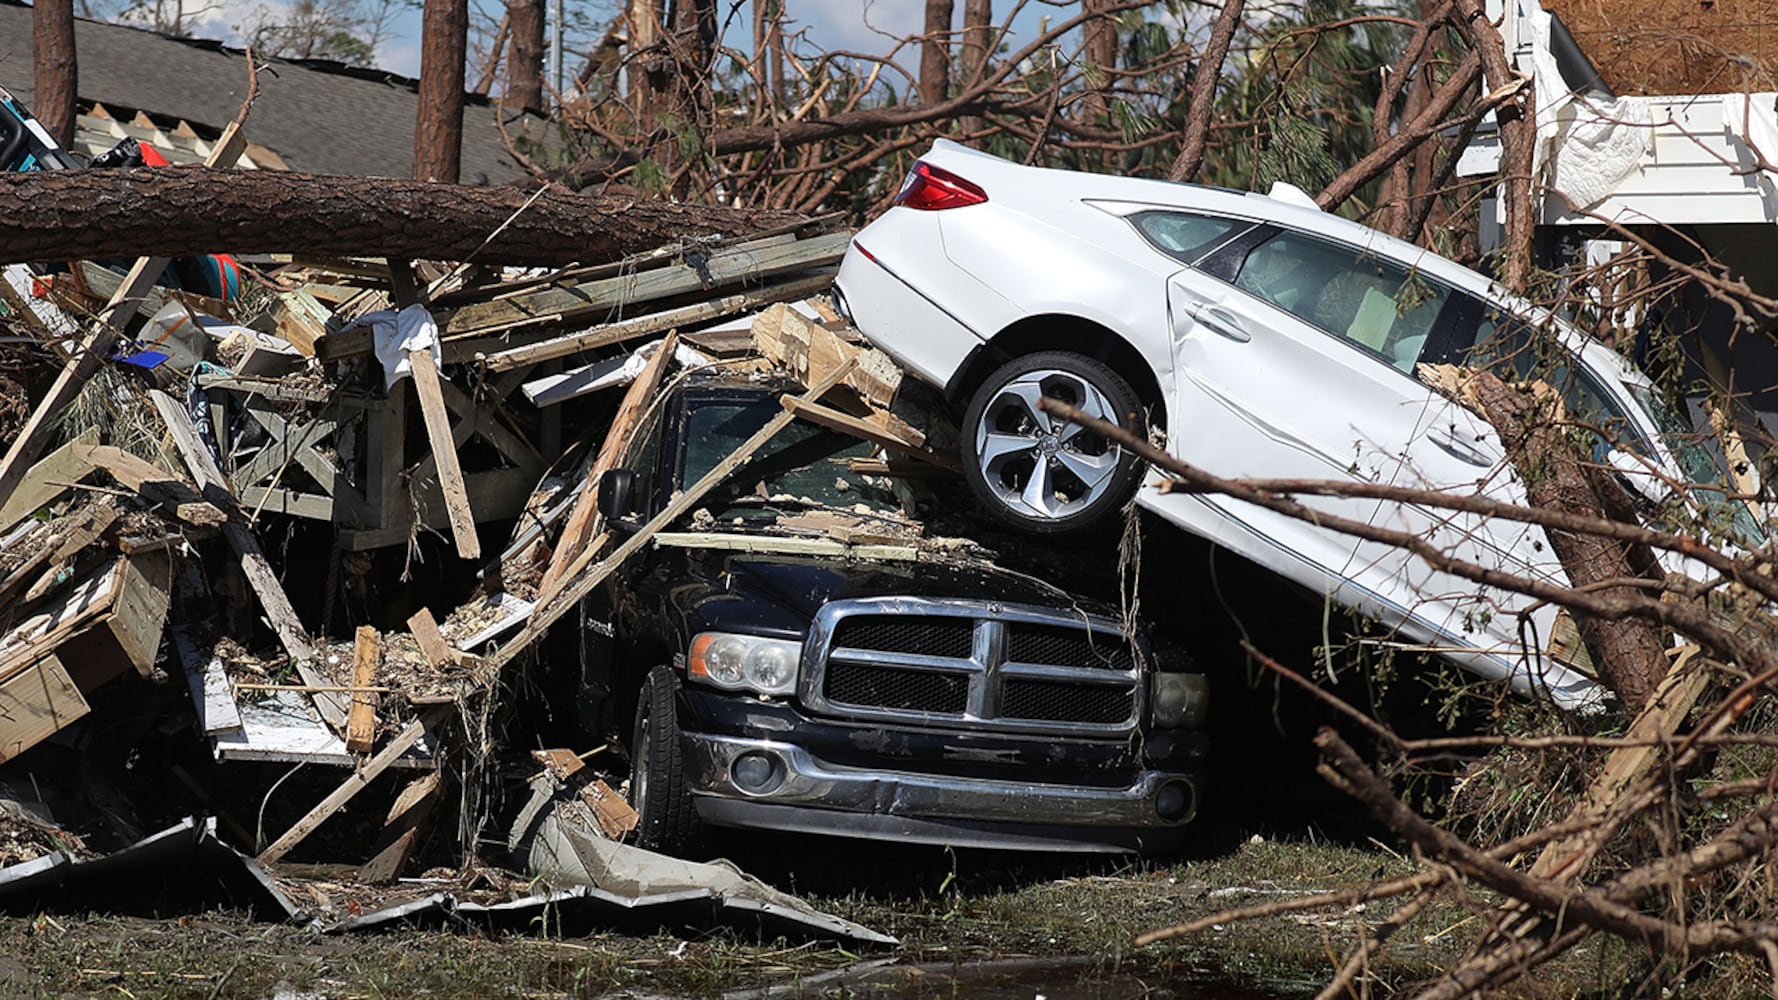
(935, 53)
(53, 59)
(524, 55)
(438, 132)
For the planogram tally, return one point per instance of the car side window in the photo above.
(1368, 301)
(645, 457)
(1184, 236)
(1486, 335)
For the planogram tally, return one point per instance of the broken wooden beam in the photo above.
(430, 640)
(642, 326)
(444, 452)
(579, 527)
(360, 779)
(582, 578)
(845, 423)
(279, 613)
(402, 828)
(361, 723)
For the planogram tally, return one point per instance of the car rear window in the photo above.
(1184, 236)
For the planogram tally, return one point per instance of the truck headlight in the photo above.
(1180, 701)
(745, 662)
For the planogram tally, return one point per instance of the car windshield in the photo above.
(802, 466)
(1712, 487)
(1513, 350)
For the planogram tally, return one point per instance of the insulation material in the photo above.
(1587, 146)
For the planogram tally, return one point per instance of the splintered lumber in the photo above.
(361, 724)
(303, 321)
(430, 640)
(444, 452)
(809, 351)
(617, 438)
(409, 813)
(642, 326)
(616, 817)
(845, 423)
(117, 313)
(359, 780)
(700, 275)
(260, 577)
(584, 578)
(66, 464)
(35, 704)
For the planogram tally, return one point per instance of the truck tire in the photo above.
(1039, 474)
(666, 819)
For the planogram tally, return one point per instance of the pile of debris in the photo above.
(219, 437)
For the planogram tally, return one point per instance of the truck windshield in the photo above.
(803, 466)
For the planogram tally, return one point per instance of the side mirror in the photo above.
(617, 495)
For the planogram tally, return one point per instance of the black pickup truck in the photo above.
(882, 687)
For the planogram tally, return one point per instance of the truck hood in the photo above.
(781, 593)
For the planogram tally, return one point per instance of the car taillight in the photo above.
(930, 189)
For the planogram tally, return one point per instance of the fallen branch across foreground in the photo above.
(1547, 908)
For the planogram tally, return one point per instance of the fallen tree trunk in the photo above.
(67, 215)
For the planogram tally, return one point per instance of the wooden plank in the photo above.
(361, 724)
(35, 704)
(272, 599)
(722, 267)
(827, 547)
(642, 326)
(499, 494)
(145, 591)
(279, 452)
(430, 639)
(36, 488)
(409, 813)
(204, 672)
(579, 526)
(580, 579)
(809, 351)
(303, 320)
(90, 352)
(450, 474)
(616, 816)
(845, 423)
(359, 780)
(55, 562)
(293, 503)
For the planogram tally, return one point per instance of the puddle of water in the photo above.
(1079, 978)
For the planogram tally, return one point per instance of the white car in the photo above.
(1266, 339)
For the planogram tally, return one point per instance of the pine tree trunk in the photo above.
(86, 214)
(438, 132)
(524, 59)
(52, 38)
(935, 53)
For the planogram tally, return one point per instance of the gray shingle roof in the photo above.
(321, 118)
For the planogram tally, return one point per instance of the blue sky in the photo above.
(858, 25)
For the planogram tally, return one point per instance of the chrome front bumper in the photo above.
(802, 793)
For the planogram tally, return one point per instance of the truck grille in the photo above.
(993, 667)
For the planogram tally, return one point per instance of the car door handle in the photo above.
(1224, 322)
(1453, 444)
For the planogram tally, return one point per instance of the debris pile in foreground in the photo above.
(204, 522)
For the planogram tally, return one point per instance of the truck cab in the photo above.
(800, 657)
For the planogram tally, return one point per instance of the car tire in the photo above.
(666, 819)
(1081, 479)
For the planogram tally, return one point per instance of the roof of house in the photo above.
(1676, 47)
(320, 117)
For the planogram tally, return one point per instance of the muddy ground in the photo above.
(951, 910)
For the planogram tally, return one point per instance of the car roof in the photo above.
(1000, 176)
